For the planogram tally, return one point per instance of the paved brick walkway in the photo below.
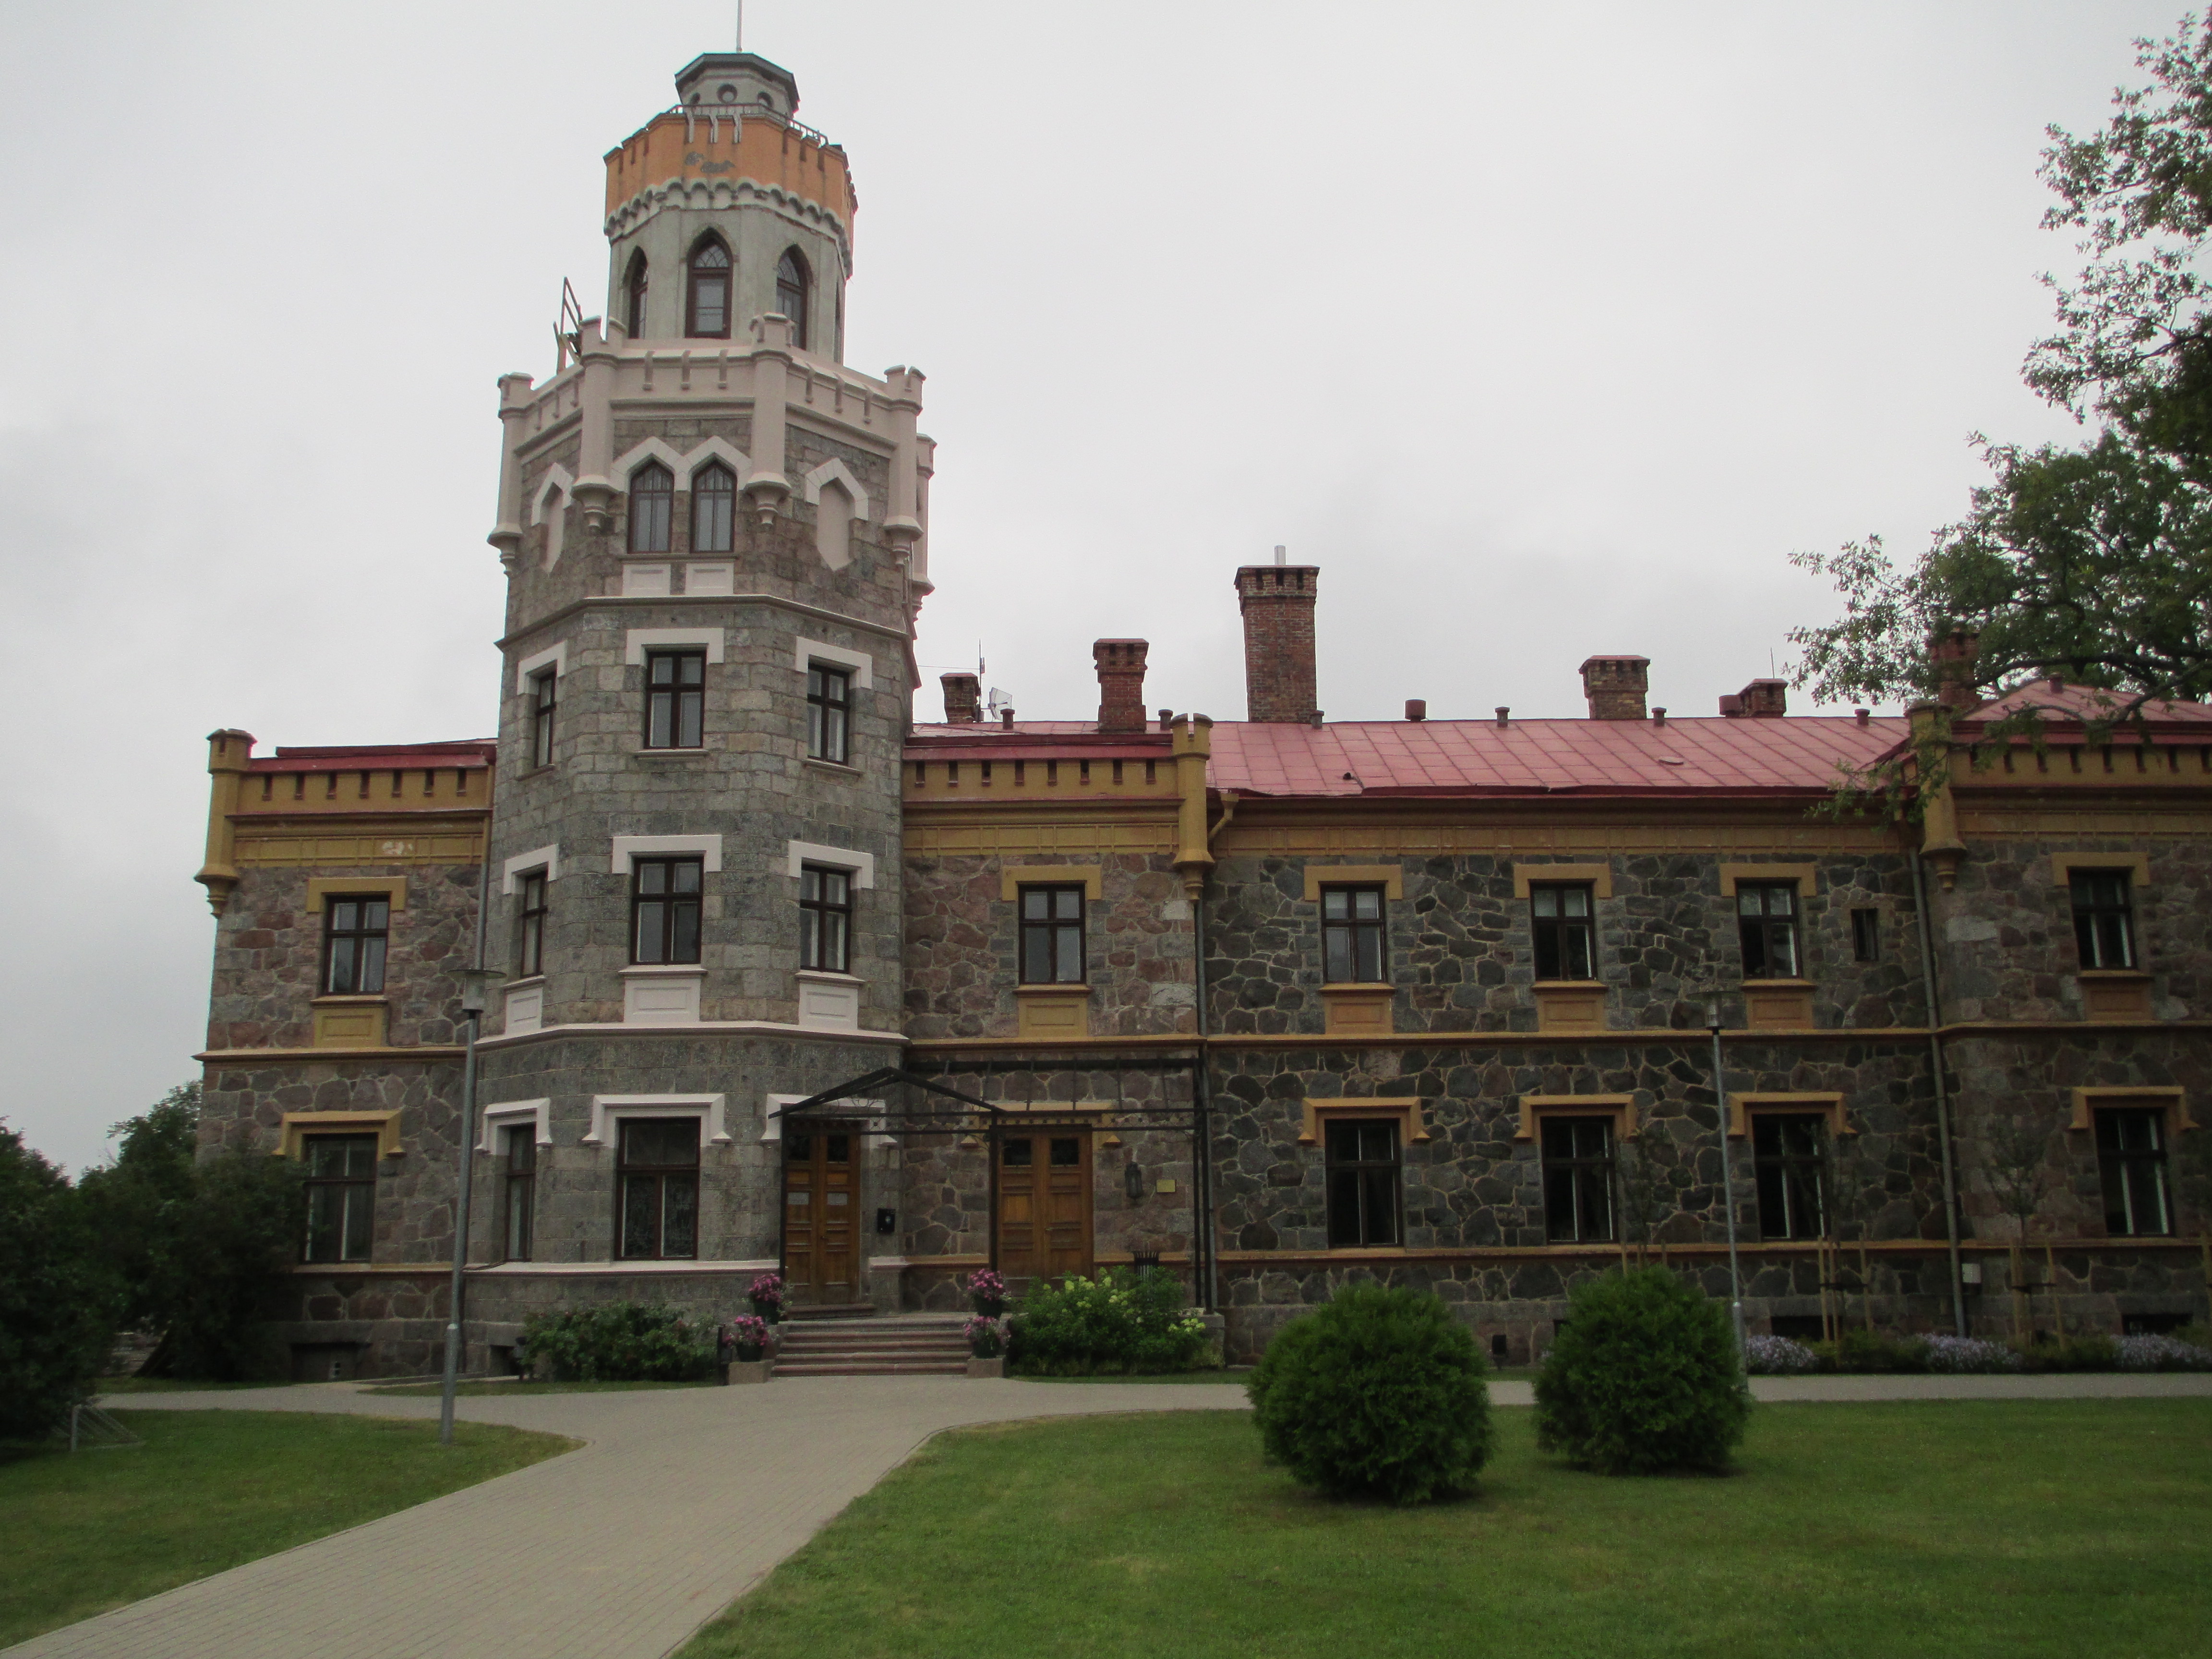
(681, 1500)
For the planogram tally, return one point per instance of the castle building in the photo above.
(785, 979)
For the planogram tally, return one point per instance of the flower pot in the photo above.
(767, 1311)
(996, 1367)
(990, 1307)
(749, 1370)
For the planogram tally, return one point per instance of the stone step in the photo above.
(813, 1339)
(872, 1368)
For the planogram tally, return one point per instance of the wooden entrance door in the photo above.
(1044, 1204)
(820, 1201)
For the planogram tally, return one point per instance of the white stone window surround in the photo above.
(637, 641)
(558, 490)
(547, 859)
(653, 449)
(504, 1116)
(647, 581)
(772, 1126)
(861, 666)
(711, 580)
(608, 1111)
(836, 471)
(525, 1009)
(862, 865)
(710, 848)
(527, 669)
(686, 465)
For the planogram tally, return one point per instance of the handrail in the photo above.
(738, 114)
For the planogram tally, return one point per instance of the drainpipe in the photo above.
(472, 1001)
(1943, 1095)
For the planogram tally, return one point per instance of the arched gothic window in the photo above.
(792, 292)
(707, 312)
(633, 295)
(713, 504)
(652, 493)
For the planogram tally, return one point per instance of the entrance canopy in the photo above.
(956, 1096)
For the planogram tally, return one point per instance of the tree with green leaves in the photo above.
(59, 1301)
(2091, 561)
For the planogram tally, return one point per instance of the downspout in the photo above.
(1191, 737)
(1942, 1095)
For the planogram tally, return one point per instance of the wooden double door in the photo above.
(1044, 1204)
(821, 1216)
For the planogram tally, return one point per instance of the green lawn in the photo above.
(434, 1389)
(172, 1385)
(83, 1533)
(1958, 1530)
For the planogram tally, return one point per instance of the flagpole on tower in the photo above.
(741, 25)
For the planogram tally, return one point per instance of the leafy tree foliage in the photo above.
(57, 1301)
(2094, 561)
(1644, 1379)
(1377, 1393)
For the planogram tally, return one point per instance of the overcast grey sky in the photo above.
(1543, 330)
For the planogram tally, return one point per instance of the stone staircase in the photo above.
(894, 1344)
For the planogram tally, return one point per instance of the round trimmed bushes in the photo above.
(1644, 1379)
(1375, 1393)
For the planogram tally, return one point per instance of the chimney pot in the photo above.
(1762, 700)
(1006, 718)
(1952, 656)
(1315, 720)
(1659, 715)
(1502, 712)
(1417, 709)
(1615, 686)
(1167, 718)
(1277, 601)
(1121, 665)
(963, 699)
(1863, 715)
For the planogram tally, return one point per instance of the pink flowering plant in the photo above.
(767, 1291)
(986, 1289)
(748, 1334)
(987, 1337)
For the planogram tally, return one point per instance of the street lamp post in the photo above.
(472, 1007)
(1728, 1175)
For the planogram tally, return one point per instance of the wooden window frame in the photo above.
(1866, 933)
(333, 935)
(2087, 937)
(1561, 926)
(821, 917)
(1791, 927)
(1607, 1162)
(531, 889)
(1361, 1169)
(517, 1197)
(671, 702)
(652, 508)
(673, 900)
(660, 1175)
(317, 1185)
(694, 269)
(714, 509)
(545, 708)
(1054, 928)
(1784, 1162)
(800, 315)
(830, 713)
(2115, 1163)
(1352, 930)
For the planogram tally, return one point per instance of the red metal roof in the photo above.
(2062, 702)
(465, 752)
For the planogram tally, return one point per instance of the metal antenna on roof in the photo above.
(741, 25)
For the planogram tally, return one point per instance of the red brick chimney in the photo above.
(1615, 687)
(1762, 700)
(963, 699)
(1278, 603)
(1953, 655)
(1120, 684)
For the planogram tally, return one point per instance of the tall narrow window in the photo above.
(825, 919)
(1052, 935)
(664, 910)
(518, 1198)
(530, 926)
(829, 713)
(1561, 919)
(1865, 936)
(341, 1197)
(1766, 922)
(1352, 935)
(793, 292)
(1788, 1161)
(675, 699)
(2104, 922)
(1577, 1179)
(544, 702)
(658, 1174)
(713, 509)
(633, 288)
(1362, 1182)
(2131, 1161)
(707, 308)
(353, 945)
(651, 495)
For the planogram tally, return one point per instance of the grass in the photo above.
(1953, 1529)
(86, 1532)
(504, 1389)
(173, 1385)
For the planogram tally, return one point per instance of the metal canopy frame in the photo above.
(917, 1103)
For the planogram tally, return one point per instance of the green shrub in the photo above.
(2197, 1336)
(621, 1342)
(1859, 1352)
(1377, 1392)
(1644, 1378)
(1118, 1323)
(59, 1303)
(2088, 1351)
